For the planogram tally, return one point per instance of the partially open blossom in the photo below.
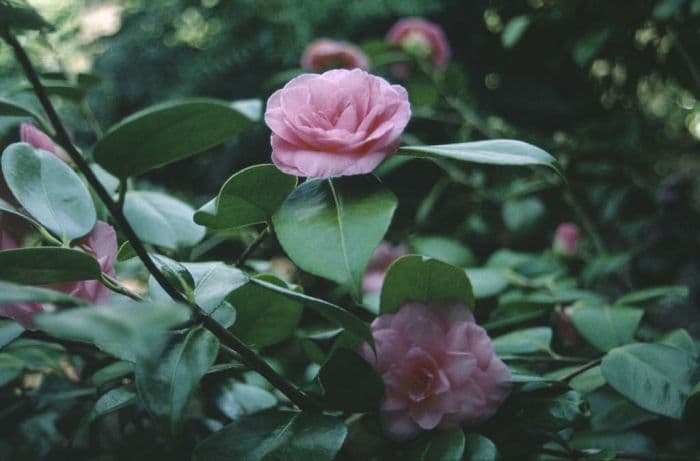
(341, 122)
(323, 54)
(438, 366)
(381, 259)
(421, 38)
(566, 239)
(101, 242)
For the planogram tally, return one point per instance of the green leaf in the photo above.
(238, 399)
(445, 445)
(49, 190)
(607, 326)
(415, 278)
(350, 383)
(553, 412)
(487, 282)
(126, 331)
(522, 216)
(9, 329)
(10, 368)
(612, 412)
(641, 296)
(162, 220)
(166, 133)
(325, 309)
(665, 9)
(12, 109)
(494, 152)
(680, 339)
(527, 341)
(166, 381)
(264, 317)
(350, 215)
(251, 108)
(18, 15)
(479, 448)
(250, 196)
(445, 249)
(275, 436)
(176, 274)
(44, 265)
(6, 207)
(111, 401)
(111, 372)
(13, 293)
(514, 30)
(655, 377)
(588, 381)
(628, 441)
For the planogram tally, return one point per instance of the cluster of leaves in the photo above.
(595, 375)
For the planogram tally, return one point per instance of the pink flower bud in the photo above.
(566, 239)
(439, 369)
(381, 259)
(323, 54)
(32, 135)
(339, 123)
(422, 39)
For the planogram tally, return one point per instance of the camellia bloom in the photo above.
(341, 122)
(421, 38)
(566, 239)
(381, 259)
(438, 366)
(324, 54)
(102, 243)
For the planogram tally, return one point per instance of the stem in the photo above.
(122, 193)
(581, 369)
(117, 287)
(248, 356)
(252, 247)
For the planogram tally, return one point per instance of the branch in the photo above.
(252, 247)
(581, 369)
(249, 357)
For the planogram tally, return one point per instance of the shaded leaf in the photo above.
(45, 265)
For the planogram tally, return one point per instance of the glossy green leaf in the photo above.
(479, 448)
(655, 377)
(680, 339)
(325, 309)
(44, 265)
(349, 215)
(553, 412)
(14, 293)
(275, 437)
(415, 278)
(444, 445)
(176, 274)
(166, 133)
(350, 383)
(166, 381)
(487, 281)
(522, 216)
(612, 412)
(162, 220)
(111, 401)
(19, 15)
(494, 152)
(10, 368)
(527, 341)
(49, 190)
(126, 331)
(588, 381)
(238, 399)
(642, 296)
(628, 441)
(9, 330)
(6, 207)
(514, 30)
(264, 317)
(445, 249)
(12, 109)
(248, 197)
(111, 372)
(606, 327)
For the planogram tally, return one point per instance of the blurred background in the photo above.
(610, 88)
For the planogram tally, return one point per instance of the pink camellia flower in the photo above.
(341, 122)
(102, 243)
(381, 259)
(421, 38)
(324, 54)
(566, 239)
(438, 366)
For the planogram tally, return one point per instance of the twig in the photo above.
(249, 357)
(581, 369)
(252, 247)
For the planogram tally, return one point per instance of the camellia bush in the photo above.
(338, 332)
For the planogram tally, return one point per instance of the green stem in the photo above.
(252, 247)
(249, 357)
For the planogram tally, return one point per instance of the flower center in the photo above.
(420, 383)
